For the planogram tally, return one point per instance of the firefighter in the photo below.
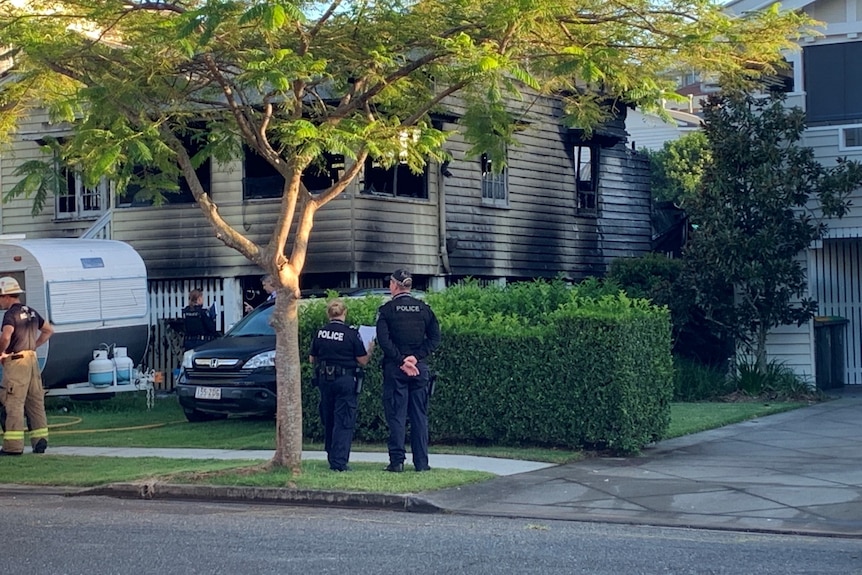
(22, 394)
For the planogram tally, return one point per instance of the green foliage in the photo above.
(650, 276)
(694, 381)
(533, 363)
(662, 280)
(773, 380)
(39, 181)
(754, 215)
(265, 71)
(677, 169)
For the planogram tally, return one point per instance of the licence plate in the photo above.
(207, 393)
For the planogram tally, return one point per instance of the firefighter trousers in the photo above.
(23, 399)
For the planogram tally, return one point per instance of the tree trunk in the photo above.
(288, 421)
(760, 350)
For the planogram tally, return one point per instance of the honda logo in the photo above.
(214, 362)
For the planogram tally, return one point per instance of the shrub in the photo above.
(694, 381)
(661, 280)
(534, 363)
(774, 381)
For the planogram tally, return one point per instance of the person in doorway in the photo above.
(199, 327)
(268, 286)
(22, 394)
(408, 332)
(337, 352)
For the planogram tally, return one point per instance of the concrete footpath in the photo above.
(795, 472)
(469, 462)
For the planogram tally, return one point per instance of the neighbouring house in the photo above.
(826, 83)
(651, 132)
(565, 205)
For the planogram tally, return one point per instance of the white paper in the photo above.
(367, 333)
(213, 310)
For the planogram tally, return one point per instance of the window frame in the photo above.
(264, 174)
(393, 180)
(183, 196)
(586, 187)
(494, 186)
(78, 194)
(331, 171)
(842, 138)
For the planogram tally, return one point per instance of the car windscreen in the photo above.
(255, 323)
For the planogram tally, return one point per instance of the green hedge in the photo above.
(529, 364)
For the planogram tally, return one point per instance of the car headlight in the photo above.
(187, 359)
(265, 359)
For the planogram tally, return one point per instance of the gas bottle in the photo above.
(124, 366)
(101, 372)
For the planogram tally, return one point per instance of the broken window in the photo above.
(263, 181)
(586, 178)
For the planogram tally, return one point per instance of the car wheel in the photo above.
(195, 416)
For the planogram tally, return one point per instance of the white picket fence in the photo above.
(167, 300)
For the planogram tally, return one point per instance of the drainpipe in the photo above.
(441, 215)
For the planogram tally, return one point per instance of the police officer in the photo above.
(408, 332)
(199, 327)
(22, 394)
(336, 353)
(268, 286)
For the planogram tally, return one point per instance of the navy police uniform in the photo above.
(335, 348)
(199, 327)
(406, 326)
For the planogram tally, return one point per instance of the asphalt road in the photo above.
(54, 535)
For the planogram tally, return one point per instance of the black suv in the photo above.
(232, 374)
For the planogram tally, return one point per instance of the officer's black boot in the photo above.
(394, 467)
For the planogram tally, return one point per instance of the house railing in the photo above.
(101, 228)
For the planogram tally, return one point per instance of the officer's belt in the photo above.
(334, 370)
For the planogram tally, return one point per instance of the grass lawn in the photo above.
(125, 421)
(91, 471)
(688, 418)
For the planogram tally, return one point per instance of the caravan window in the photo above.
(96, 300)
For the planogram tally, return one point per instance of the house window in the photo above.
(324, 172)
(262, 180)
(397, 181)
(146, 177)
(851, 138)
(77, 201)
(833, 82)
(586, 176)
(494, 191)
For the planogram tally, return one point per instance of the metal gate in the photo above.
(837, 286)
